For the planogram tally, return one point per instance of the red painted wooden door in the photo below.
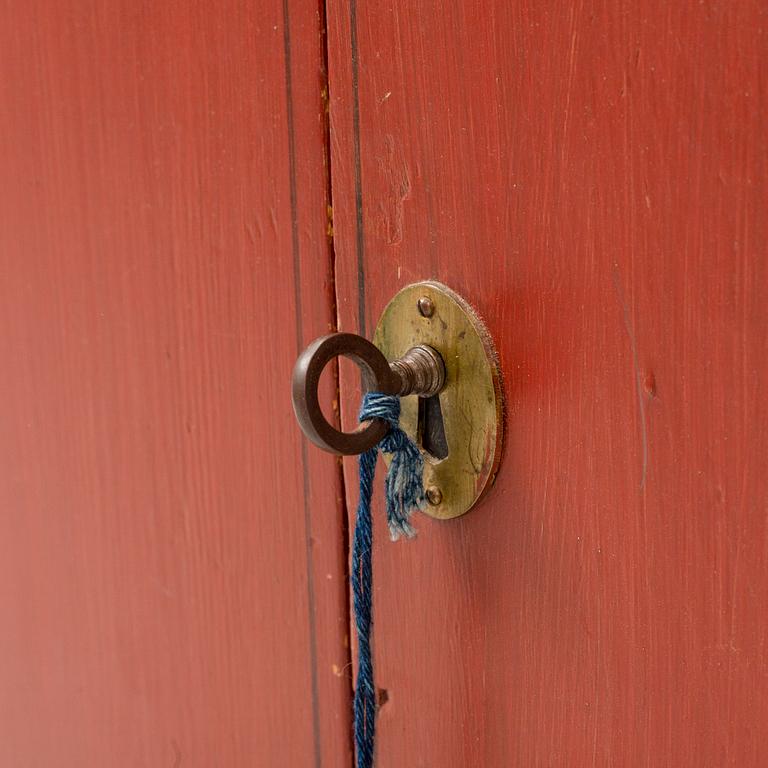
(593, 177)
(172, 551)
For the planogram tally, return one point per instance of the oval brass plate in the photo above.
(470, 404)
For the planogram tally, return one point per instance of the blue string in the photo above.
(404, 492)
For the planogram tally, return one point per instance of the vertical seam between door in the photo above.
(359, 240)
(343, 511)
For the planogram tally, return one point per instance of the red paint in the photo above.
(153, 550)
(593, 179)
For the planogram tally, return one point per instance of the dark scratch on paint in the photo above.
(638, 375)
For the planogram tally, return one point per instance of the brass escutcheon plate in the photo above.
(471, 401)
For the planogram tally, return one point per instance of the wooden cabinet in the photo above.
(173, 553)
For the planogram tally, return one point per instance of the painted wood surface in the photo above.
(593, 178)
(171, 566)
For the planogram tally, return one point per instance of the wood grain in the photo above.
(171, 573)
(593, 178)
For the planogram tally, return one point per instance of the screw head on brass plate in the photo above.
(426, 306)
(434, 495)
(470, 404)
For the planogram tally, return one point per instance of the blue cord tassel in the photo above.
(404, 491)
(404, 487)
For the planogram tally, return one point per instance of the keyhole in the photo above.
(432, 428)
